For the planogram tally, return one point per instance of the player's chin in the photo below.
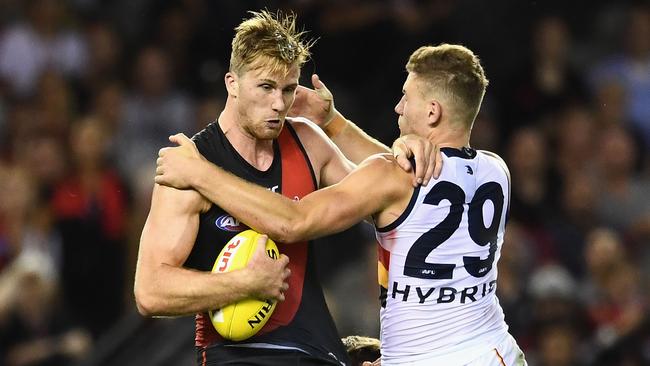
(267, 134)
(270, 131)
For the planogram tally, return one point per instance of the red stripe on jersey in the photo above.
(297, 182)
(383, 256)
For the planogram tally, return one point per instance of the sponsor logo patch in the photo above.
(229, 223)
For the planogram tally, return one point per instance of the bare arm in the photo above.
(164, 287)
(320, 213)
(317, 105)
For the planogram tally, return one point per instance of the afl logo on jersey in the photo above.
(229, 223)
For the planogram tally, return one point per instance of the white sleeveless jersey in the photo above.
(441, 259)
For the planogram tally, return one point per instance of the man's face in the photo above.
(264, 99)
(412, 108)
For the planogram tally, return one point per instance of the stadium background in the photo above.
(90, 89)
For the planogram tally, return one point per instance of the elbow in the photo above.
(145, 302)
(293, 231)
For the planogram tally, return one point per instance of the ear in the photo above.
(232, 84)
(434, 115)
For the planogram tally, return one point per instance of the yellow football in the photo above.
(243, 319)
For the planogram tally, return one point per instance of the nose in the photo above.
(278, 104)
(399, 108)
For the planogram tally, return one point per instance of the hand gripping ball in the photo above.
(243, 319)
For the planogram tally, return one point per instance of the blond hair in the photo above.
(270, 41)
(456, 73)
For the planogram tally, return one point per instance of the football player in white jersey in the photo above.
(440, 242)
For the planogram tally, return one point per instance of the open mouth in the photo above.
(273, 121)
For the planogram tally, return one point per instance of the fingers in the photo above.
(421, 162)
(431, 152)
(401, 154)
(438, 166)
(403, 162)
(184, 140)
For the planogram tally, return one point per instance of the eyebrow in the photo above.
(275, 83)
(268, 81)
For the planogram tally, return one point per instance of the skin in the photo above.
(332, 209)
(318, 106)
(255, 111)
(357, 196)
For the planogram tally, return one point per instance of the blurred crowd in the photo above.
(91, 89)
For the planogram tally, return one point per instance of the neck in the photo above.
(257, 152)
(450, 137)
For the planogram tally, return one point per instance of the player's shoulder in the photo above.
(207, 137)
(305, 128)
(495, 159)
(384, 166)
(186, 201)
(312, 137)
(381, 161)
(491, 155)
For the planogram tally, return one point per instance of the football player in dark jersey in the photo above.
(254, 139)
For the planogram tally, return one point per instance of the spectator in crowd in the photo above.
(42, 41)
(630, 69)
(90, 207)
(624, 195)
(153, 110)
(35, 326)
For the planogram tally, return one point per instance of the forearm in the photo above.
(173, 291)
(162, 285)
(355, 144)
(259, 208)
(323, 212)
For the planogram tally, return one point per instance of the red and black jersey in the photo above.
(301, 322)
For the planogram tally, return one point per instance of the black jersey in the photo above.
(302, 322)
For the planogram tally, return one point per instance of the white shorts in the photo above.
(507, 353)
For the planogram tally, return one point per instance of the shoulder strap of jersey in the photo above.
(298, 180)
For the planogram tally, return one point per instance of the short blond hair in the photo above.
(270, 41)
(456, 72)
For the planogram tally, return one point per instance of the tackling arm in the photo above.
(326, 211)
(317, 105)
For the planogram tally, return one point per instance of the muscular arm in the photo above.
(162, 285)
(369, 189)
(355, 144)
(317, 105)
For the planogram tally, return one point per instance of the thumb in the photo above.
(402, 155)
(261, 243)
(315, 81)
(321, 88)
(180, 139)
